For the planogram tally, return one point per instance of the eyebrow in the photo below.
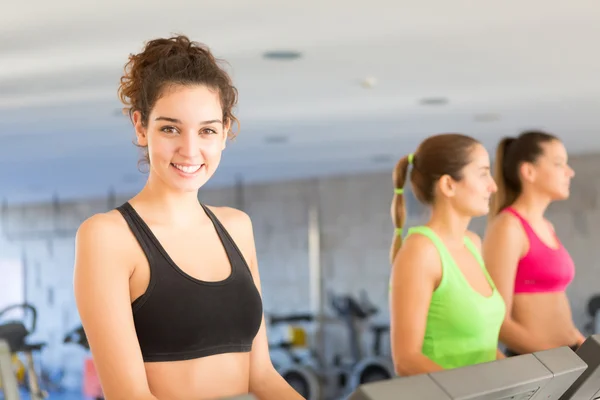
(176, 121)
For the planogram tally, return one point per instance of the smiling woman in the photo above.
(167, 288)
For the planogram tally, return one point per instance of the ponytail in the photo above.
(507, 193)
(398, 209)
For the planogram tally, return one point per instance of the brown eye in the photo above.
(168, 129)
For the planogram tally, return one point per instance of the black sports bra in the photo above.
(180, 317)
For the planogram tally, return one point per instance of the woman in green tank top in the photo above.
(445, 309)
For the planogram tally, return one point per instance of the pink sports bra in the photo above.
(543, 268)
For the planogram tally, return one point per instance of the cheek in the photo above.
(473, 193)
(159, 147)
(552, 178)
(476, 187)
(212, 147)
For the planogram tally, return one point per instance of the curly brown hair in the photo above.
(166, 62)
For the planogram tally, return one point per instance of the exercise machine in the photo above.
(587, 385)
(317, 379)
(91, 383)
(363, 368)
(77, 336)
(296, 371)
(593, 310)
(10, 388)
(378, 330)
(14, 333)
(544, 375)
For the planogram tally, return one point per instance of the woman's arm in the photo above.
(499, 355)
(580, 336)
(101, 285)
(265, 382)
(415, 273)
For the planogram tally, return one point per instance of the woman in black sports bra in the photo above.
(167, 288)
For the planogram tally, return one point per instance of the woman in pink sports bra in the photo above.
(524, 256)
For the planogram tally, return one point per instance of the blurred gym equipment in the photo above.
(301, 376)
(363, 368)
(593, 310)
(314, 377)
(91, 382)
(14, 333)
(10, 388)
(77, 336)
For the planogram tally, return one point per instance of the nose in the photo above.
(493, 186)
(189, 145)
(571, 172)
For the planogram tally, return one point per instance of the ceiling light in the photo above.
(368, 82)
(282, 55)
(434, 101)
(276, 139)
(486, 117)
(382, 158)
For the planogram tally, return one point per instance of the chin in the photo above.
(560, 195)
(474, 212)
(481, 211)
(563, 196)
(190, 187)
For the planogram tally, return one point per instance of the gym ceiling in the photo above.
(326, 87)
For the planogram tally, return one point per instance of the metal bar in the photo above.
(32, 376)
(239, 193)
(56, 211)
(9, 380)
(316, 285)
(26, 272)
(111, 199)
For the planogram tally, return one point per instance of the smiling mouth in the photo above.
(188, 169)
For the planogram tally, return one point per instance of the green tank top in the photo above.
(462, 324)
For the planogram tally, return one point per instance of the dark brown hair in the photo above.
(167, 62)
(436, 156)
(511, 153)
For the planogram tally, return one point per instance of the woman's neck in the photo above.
(449, 225)
(169, 206)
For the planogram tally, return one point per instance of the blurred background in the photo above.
(332, 94)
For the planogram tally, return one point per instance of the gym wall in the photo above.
(355, 230)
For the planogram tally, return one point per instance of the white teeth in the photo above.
(187, 169)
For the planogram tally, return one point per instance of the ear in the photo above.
(527, 172)
(447, 186)
(140, 130)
